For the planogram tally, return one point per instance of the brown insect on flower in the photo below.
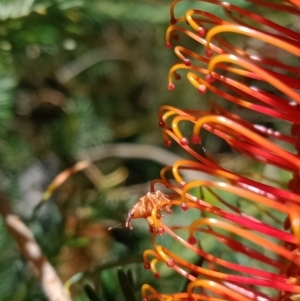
(143, 208)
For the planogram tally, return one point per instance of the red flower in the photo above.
(264, 79)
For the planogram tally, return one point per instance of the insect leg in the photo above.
(128, 223)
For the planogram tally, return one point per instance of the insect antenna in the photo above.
(116, 226)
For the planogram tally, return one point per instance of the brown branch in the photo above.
(51, 284)
(130, 150)
(139, 151)
(85, 61)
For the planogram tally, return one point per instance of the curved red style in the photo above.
(253, 62)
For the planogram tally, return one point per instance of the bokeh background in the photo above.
(83, 80)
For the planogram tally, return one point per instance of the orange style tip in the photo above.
(201, 89)
(195, 139)
(184, 206)
(156, 275)
(184, 141)
(162, 124)
(171, 86)
(209, 78)
(208, 53)
(182, 184)
(187, 62)
(170, 262)
(168, 143)
(147, 265)
(145, 299)
(168, 45)
(175, 37)
(192, 240)
(201, 31)
(160, 231)
(152, 229)
(177, 76)
(173, 21)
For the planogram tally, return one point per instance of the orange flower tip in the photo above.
(145, 299)
(168, 143)
(192, 240)
(175, 37)
(184, 206)
(201, 89)
(182, 184)
(187, 62)
(170, 262)
(184, 141)
(209, 78)
(162, 124)
(168, 45)
(208, 53)
(160, 231)
(201, 31)
(177, 76)
(173, 20)
(156, 275)
(195, 139)
(147, 265)
(152, 229)
(171, 86)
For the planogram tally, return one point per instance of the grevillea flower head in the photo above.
(248, 217)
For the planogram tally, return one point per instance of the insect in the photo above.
(143, 208)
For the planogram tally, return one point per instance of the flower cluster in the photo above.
(262, 75)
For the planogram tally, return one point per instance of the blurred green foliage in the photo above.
(76, 75)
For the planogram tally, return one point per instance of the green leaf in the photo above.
(126, 285)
